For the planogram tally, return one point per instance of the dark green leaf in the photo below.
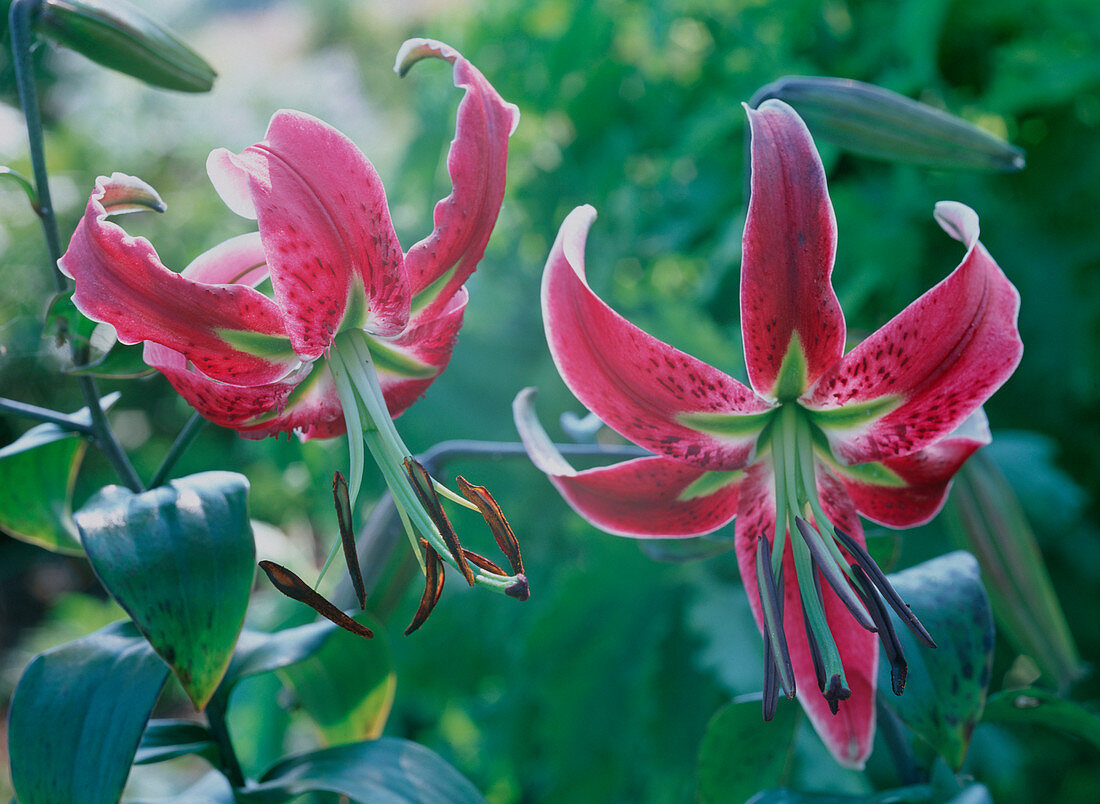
(37, 473)
(740, 753)
(347, 686)
(946, 687)
(261, 652)
(386, 770)
(120, 362)
(168, 739)
(180, 559)
(78, 714)
(1042, 708)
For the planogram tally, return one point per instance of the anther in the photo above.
(832, 573)
(433, 586)
(876, 576)
(494, 518)
(347, 536)
(295, 588)
(422, 484)
(771, 610)
(891, 645)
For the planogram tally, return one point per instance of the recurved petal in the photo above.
(787, 301)
(305, 402)
(477, 164)
(848, 734)
(230, 332)
(651, 497)
(325, 226)
(640, 386)
(407, 364)
(910, 490)
(919, 377)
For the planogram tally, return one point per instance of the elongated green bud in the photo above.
(876, 122)
(119, 36)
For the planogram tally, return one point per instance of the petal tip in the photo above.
(121, 193)
(413, 50)
(959, 221)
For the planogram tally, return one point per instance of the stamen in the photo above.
(494, 518)
(347, 536)
(771, 685)
(433, 586)
(891, 645)
(815, 651)
(771, 609)
(422, 485)
(837, 691)
(296, 589)
(876, 576)
(483, 562)
(832, 573)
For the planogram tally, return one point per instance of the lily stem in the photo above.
(62, 420)
(20, 18)
(182, 442)
(219, 730)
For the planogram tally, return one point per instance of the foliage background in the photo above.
(599, 688)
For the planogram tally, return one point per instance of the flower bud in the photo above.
(119, 36)
(878, 123)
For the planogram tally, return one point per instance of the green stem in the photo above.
(20, 19)
(62, 420)
(219, 730)
(182, 442)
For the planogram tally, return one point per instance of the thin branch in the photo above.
(182, 442)
(62, 420)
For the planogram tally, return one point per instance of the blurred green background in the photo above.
(600, 687)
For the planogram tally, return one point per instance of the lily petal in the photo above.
(910, 490)
(477, 163)
(848, 734)
(640, 386)
(915, 380)
(787, 298)
(407, 364)
(305, 402)
(121, 281)
(326, 228)
(651, 497)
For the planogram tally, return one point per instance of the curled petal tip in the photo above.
(413, 50)
(959, 221)
(121, 193)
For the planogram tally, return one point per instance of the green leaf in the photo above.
(914, 794)
(389, 770)
(78, 714)
(946, 686)
(1042, 708)
(168, 739)
(120, 362)
(212, 788)
(180, 559)
(740, 753)
(347, 686)
(37, 473)
(261, 652)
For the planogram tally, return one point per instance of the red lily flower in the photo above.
(341, 288)
(818, 437)
(249, 361)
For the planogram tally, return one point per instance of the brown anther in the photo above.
(295, 588)
(433, 586)
(425, 491)
(483, 562)
(891, 645)
(347, 536)
(494, 518)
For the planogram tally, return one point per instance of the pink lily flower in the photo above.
(352, 330)
(817, 438)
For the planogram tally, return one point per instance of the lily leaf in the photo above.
(348, 685)
(1039, 707)
(78, 714)
(168, 739)
(180, 560)
(37, 473)
(946, 686)
(740, 753)
(261, 652)
(389, 769)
